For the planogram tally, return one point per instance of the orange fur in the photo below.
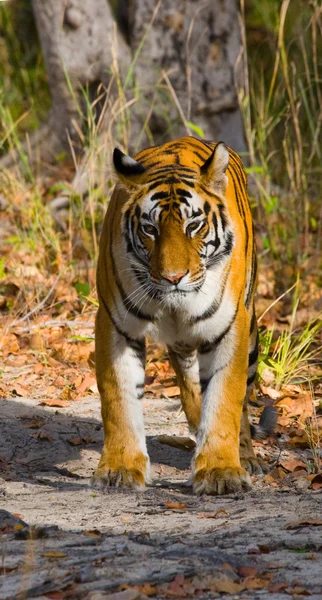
(175, 207)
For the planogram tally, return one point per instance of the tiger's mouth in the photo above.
(163, 291)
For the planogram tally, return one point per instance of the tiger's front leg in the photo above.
(223, 374)
(120, 377)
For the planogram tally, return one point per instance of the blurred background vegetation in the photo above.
(282, 111)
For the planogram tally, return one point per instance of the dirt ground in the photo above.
(62, 539)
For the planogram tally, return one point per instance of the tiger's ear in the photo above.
(129, 171)
(213, 171)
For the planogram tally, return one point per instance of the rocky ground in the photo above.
(62, 539)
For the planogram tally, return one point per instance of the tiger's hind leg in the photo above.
(186, 366)
(248, 459)
(120, 377)
(247, 455)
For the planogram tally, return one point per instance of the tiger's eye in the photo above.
(149, 229)
(192, 226)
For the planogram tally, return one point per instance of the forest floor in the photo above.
(63, 539)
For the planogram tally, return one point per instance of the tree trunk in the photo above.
(79, 44)
(197, 45)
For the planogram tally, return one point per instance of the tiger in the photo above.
(177, 262)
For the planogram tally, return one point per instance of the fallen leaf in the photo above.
(219, 513)
(293, 465)
(88, 381)
(175, 505)
(300, 442)
(255, 583)
(58, 403)
(315, 479)
(87, 439)
(41, 435)
(175, 587)
(35, 423)
(171, 392)
(130, 593)
(19, 390)
(277, 587)
(147, 589)
(54, 554)
(92, 533)
(304, 523)
(226, 586)
(278, 474)
(298, 590)
(247, 571)
(75, 441)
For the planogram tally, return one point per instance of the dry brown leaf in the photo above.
(92, 533)
(175, 505)
(171, 392)
(277, 587)
(41, 435)
(226, 586)
(300, 442)
(175, 587)
(278, 474)
(293, 464)
(255, 583)
(315, 480)
(58, 403)
(88, 381)
(271, 392)
(214, 515)
(67, 393)
(304, 523)
(19, 390)
(299, 406)
(75, 441)
(147, 589)
(4, 391)
(54, 554)
(247, 571)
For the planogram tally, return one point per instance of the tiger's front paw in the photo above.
(131, 474)
(118, 478)
(221, 481)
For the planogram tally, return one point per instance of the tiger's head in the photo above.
(175, 219)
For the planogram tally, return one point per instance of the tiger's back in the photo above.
(177, 261)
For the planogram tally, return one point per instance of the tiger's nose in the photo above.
(174, 278)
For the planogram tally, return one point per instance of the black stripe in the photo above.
(223, 217)
(184, 193)
(213, 260)
(240, 203)
(159, 196)
(205, 382)
(251, 379)
(209, 312)
(189, 183)
(253, 321)
(127, 303)
(209, 346)
(252, 278)
(253, 355)
(137, 345)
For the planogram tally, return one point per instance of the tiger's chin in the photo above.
(178, 299)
